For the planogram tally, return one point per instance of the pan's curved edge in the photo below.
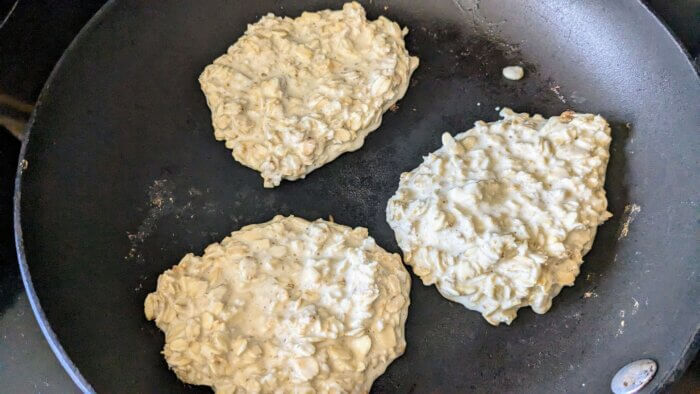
(674, 37)
(695, 65)
(44, 325)
(39, 314)
(687, 357)
(693, 345)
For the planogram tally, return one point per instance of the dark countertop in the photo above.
(32, 37)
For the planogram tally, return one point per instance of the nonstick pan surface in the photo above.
(121, 176)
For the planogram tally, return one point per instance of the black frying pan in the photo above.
(122, 177)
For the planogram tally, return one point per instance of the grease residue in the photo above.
(161, 202)
(631, 211)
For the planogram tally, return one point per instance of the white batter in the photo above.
(514, 73)
(293, 94)
(500, 217)
(287, 306)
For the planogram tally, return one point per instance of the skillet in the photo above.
(121, 176)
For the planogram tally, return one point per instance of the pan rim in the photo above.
(676, 40)
(39, 315)
(693, 346)
(688, 354)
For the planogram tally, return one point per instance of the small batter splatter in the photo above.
(514, 73)
(631, 211)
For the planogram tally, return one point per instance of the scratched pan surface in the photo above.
(124, 177)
